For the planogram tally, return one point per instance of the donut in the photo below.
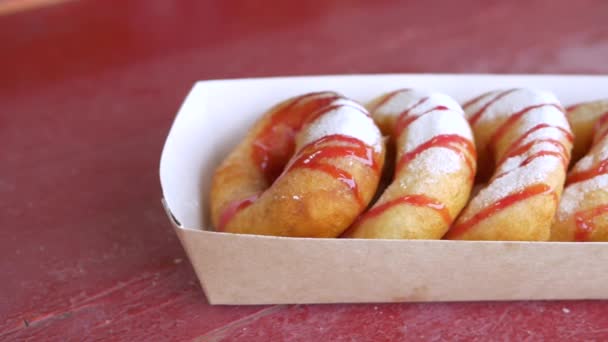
(434, 167)
(583, 210)
(524, 140)
(582, 118)
(307, 168)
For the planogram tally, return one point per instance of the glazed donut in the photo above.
(434, 169)
(307, 168)
(526, 135)
(583, 210)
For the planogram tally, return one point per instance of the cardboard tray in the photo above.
(249, 269)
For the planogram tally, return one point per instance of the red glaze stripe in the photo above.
(387, 98)
(233, 208)
(503, 129)
(573, 107)
(580, 176)
(475, 117)
(364, 153)
(405, 114)
(566, 133)
(453, 142)
(417, 200)
(599, 124)
(602, 135)
(563, 154)
(603, 119)
(405, 119)
(475, 100)
(507, 201)
(324, 110)
(531, 158)
(543, 154)
(584, 222)
(275, 143)
(312, 155)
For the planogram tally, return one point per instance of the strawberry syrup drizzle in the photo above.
(475, 100)
(600, 130)
(405, 119)
(602, 167)
(233, 208)
(454, 142)
(312, 156)
(584, 219)
(273, 147)
(275, 144)
(584, 222)
(529, 191)
(475, 117)
(573, 107)
(496, 207)
(387, 98)
(504, 128)
(580, 176)
(417, 200)
(563, 152)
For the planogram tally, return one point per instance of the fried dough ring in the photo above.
(434, 169)
(307, 168)
(526, 135)
(583, 210)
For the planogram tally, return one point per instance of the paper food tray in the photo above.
(249, 269)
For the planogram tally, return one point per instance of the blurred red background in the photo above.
(88, 90)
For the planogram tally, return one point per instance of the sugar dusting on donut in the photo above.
(311, 132)
(541, 149)
(433, 124)
(532, 173)
(575, 193)
(593, 157)
(494, 105)
(433, 138)
(413, 101)
(534, 153)
(274, 144)
(438, 160)
(345, 118)
(426, 115)
(584, 197)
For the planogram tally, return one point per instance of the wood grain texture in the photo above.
(88, 92)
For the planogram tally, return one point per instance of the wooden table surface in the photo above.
(88, 90)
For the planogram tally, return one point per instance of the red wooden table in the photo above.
(88, 90)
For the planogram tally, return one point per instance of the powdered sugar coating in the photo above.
(597, 154)
(515, 177)
(435, 123)
(349, 119)
(536, 172)
(575, 194)
(545, 115)
(315, 97)
(514, 162)
(423, 100)
(544, 133)
(437, 161)
(511, 103)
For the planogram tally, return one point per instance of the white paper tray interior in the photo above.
(249, 269)
(217, 114)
